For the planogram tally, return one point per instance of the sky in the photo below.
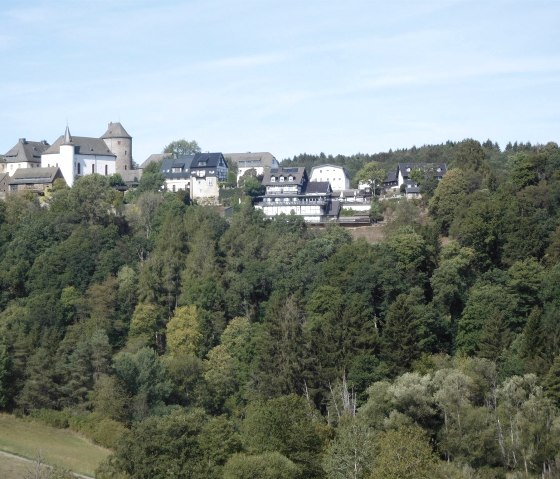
(285, 76)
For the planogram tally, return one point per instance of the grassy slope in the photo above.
(13, 468)
(56, 446)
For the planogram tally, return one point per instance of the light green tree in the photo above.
(373, 175)
(183, 331)
(182, 147)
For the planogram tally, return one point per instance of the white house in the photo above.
(207, 171)
(177, 172)
(25, 154)
(288, 191)
(336, 175)
(79, 156)
(404, 170)
(260, 162)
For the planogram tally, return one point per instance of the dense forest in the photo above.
(196, 347)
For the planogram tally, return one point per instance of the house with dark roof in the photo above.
(208, 170)
(177, 172)
(200, 174)
(24, 154)
(36, 180)
(404, 171)
(259, 162)
(289, 191)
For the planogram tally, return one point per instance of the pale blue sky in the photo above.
(282, 76)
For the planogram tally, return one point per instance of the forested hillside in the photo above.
(197, 347)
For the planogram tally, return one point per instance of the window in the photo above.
(78, 168)
(92, 169)
(106, 170)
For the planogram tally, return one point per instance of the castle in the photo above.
(78, 156)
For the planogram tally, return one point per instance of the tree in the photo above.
(268, 465)
(404, 454)
(351, 454)
(449, 196)
(371, 174)
(284, 425)
(182, 147)
(183, 331)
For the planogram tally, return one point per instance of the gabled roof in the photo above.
(318, 187)
(83, 145)
(207, 160)
(155, 157)
(296, 172)
(245, 160)
(391, 177)
(35, 175)
(331, 165)
(183, 162)
(26, 151)
(116, 130)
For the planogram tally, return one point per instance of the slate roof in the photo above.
(24, 176)
(391, 177)
(250, 160)
(26, 151)
(83, 145)
(207, 160)
(155, 157)
(116, 130)
(297, 172)
(318, 187)
(183, 162)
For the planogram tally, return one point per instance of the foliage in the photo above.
(182, 147)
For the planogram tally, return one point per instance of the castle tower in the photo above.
(120, 143)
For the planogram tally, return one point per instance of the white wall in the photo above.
(333, 174)
(68, 163)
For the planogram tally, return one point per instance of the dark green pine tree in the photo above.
(400, 336)
(533, 345)
(551, 381)
(493, 337)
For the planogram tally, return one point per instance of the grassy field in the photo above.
(56, 446)
(13, 468)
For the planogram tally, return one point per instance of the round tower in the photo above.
(120, 143)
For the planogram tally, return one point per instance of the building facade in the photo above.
(336, 175)
(24, 154)
(289, 191)
(78, 156)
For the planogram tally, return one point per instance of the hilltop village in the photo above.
(324, 193)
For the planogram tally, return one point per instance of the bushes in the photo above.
(99, 429)
(50, 417)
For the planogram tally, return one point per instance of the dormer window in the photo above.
(439, 170)
(272, 179)
(290, 178)
(408, 170)
(281, 178)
